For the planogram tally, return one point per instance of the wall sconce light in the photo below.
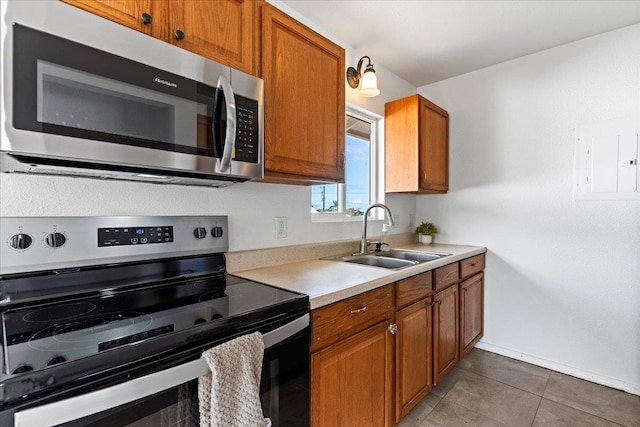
(369, 80)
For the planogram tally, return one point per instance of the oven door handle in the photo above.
(74, 408)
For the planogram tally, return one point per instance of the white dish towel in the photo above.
(229, 395)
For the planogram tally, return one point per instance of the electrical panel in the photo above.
(606, 160)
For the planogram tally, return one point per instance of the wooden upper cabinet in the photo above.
(416, 146)
(304, 78)
(221, 30)
(124, 12)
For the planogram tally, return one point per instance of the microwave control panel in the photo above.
(247, 130)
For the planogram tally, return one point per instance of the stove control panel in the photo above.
(121, 236)
(29, 244)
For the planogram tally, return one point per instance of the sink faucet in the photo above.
(363, 243)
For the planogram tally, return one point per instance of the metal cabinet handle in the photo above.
(436, 302)
(146, 18)
(179, 35)
(393, 329)
(359, 310)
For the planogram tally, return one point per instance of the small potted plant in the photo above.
(426, 231)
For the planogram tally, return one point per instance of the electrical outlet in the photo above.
(396, 220)
(281, 227)
(411, 222)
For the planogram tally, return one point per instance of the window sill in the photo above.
(321, 218)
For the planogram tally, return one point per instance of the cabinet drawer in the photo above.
(413, 289)
(471, 266)
(445, 276)
(345, 318)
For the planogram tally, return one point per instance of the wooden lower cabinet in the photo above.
(446, 347)
(471, 312)
(367, 370)
(351, 381)
(414, 377)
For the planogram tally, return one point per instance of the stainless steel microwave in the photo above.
(83, 96)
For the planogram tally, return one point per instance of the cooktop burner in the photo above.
(66, 331)
(59, 313)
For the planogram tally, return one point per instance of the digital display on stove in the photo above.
(122, 236)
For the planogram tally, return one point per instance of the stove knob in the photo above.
(200, 232)
(55, 240)
(56, 360)
(199, 320)
(20, 241)
(22, 369)
(217, 232)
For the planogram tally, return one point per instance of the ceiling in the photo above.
(427, 41)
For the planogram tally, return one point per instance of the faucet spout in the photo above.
(363, 242)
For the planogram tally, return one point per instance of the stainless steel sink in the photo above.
(378, 261)
(411, 255)
(393, 260)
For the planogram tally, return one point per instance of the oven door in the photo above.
(170, 397)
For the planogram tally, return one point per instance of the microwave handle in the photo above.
(230, 139)
(74, 408)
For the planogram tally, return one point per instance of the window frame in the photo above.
(376, 173)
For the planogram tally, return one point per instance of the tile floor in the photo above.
(486, 389)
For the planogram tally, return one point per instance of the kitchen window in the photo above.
(340, 202)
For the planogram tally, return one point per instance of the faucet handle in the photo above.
(379, 245)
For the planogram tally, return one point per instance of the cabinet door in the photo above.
(220, 30)
(304, 77)
(413, 356)
(401, 130)
(416, 146)
(124, 12)
(434, 148)
(351, 380)
(446, 349)
(472, 312)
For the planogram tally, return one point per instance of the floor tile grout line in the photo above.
(542, 396)
(491, 379)
(536, 414)
(511, 385)
(587, 413)
(501, 382)
(546, 383)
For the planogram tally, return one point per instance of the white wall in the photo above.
(251, 207)
(562, 277)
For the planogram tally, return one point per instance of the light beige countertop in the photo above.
(327, 281)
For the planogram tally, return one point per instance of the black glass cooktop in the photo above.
(44, 334)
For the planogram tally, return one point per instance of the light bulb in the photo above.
(369, 82)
